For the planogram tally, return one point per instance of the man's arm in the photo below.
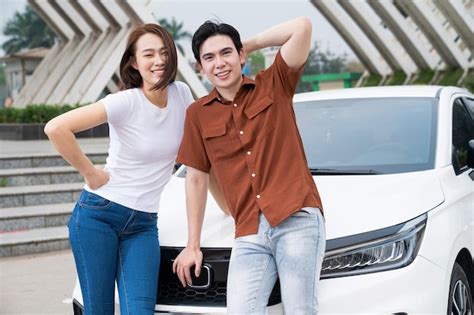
(217, 192)
(293, 36)
(196, 185)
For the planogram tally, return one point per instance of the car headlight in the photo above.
(390, 248)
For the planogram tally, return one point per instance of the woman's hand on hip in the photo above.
(98, 178)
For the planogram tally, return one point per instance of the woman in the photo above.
(113, 228)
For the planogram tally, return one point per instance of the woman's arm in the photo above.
(60, 131)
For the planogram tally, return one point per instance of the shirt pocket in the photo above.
(261, 118)
(255, 109)
(219, 143)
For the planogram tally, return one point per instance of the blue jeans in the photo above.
(293, 251)
(111, 242)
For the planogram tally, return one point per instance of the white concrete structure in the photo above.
(354, 36)
(461, 16)
(410, 37)
(376, 30)
(437, 29)
(92, 36)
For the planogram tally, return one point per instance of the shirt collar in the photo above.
(214, 95)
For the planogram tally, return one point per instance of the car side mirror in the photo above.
(470, 154)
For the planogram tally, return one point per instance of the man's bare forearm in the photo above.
(196, 196)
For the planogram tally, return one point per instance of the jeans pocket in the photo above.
(93, 201)
(307, 212)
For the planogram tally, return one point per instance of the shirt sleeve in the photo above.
(192, 151)
(285, 75)
(118, 106)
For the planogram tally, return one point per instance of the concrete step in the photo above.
(32, 217)
(39, 194)
(33, 241)
(39, 176)
(43, 160)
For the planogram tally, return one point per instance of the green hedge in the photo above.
(469, 81)
(451, 77)
(372, 80)
(424, 76)
(398, 77)
(41, 113)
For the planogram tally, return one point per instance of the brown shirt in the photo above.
(254, 147)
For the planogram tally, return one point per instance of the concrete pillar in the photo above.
(354, 37)
(49, 63)
(404, 29)
(92, 37)
(382, 38)
(461, 17)
(432, 24)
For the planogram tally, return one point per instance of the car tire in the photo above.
(460, 297)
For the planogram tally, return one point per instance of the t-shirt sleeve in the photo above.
(285, 75)
(118, 106)
(192, 151)
(187, 95)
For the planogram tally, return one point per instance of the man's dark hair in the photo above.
(209, 29)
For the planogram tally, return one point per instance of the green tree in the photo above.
(2, 74)
(27, 30)
(175, 28)
(257, 62)
(324, 61)
(320, 61)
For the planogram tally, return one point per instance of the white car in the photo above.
(395, 170)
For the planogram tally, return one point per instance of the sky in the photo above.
(248, 16)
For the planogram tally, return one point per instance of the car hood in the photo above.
(352, 204)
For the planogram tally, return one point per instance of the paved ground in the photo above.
(44, 147)
(37, 284)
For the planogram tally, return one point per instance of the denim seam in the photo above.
(84, 204)
(84, 266)
(315, 280)
(253, 305)
(132, 216)
(123, 282)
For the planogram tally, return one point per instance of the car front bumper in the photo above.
(419, 288)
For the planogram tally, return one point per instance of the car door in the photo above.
(462, 133)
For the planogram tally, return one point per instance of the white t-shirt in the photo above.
(144, 142)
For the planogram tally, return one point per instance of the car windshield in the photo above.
(368, 136)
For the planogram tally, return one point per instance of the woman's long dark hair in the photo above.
(129, 76)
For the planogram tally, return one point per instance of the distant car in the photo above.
(395, 169)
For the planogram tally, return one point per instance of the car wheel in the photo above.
(460, 297)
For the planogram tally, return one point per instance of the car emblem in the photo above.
(205, 278)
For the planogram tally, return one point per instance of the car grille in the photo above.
(171, 292)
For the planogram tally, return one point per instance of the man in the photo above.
(246, 131)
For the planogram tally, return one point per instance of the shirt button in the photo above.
(248, 152)
(241, 132)
(253, 175)
(258, 196)
(235, 105)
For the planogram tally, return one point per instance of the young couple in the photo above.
(244, 130)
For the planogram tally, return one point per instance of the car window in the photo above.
(463, 131)
(470, 105)
(386, 135)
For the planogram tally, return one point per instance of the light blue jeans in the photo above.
(293, 251)
(112, 242)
